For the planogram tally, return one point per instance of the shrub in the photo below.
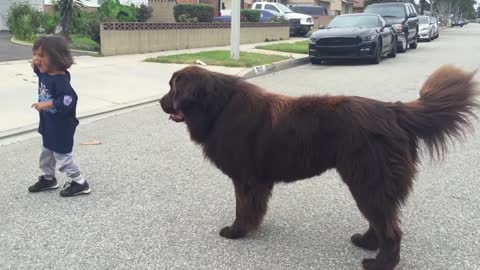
(203, 13)
(49, 23)
(87, 24)
(23, 21)
(144, 13)
(80, 42)
(115, 11)
(279, 19)
(250, 15)
(187, 18)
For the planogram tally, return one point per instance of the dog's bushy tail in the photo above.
(444, 111)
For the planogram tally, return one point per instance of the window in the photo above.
(271, 7)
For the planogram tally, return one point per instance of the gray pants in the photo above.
(49, 160)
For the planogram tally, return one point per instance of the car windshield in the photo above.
(423, 19)
(395, 11)
(354, 21)
(283, 8)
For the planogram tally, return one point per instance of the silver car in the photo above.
(436, 27)
(426, 27)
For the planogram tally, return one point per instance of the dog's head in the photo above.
(197, 96)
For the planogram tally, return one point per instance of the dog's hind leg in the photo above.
(368, 240)
(383, 218)
(251, 207)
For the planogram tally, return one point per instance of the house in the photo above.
(339, 7)
(358, 6)
(5, 5)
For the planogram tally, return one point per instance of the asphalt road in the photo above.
(10, 51)
(157, 204)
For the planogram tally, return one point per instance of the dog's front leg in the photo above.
(251, 206)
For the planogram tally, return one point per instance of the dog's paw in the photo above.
(372, 264)
(361, 241)
(231, 232)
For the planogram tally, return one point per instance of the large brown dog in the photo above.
(259, 138)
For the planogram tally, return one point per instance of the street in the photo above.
(156, 203)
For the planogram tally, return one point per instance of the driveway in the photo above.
(10, 51)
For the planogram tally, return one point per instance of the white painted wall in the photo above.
(5, 5)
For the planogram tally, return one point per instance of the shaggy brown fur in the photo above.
(258, 139)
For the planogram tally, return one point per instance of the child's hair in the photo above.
(56, 48)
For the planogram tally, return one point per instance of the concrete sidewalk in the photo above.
(102, 83)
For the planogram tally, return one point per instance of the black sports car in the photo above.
(354, 36)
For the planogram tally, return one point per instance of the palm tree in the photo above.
(67, 10)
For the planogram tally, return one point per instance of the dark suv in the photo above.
(403, 18)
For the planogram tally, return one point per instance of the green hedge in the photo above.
(203, 13)
(23, 21)
(250, 15)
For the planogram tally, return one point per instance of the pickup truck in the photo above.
(305, 21)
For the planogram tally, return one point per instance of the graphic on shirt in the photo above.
(67, 100)
(44, 96)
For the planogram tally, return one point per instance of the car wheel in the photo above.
(393, 53)
(414, 44)
(403, 47)
(315, 61)
(378, 53)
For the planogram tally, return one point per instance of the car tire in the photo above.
(403, 47)
(315, 61)
(414, 44)
(393, 53)
(378, 53)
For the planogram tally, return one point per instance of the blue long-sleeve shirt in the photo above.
(57, 124)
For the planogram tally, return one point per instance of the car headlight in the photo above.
(370, 38)
(398, 28)
(313, 40)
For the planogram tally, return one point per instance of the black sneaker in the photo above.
(73, 189)
(43, 184)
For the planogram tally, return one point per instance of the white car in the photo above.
(426, 28)
(305, 22)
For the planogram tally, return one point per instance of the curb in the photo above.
(10, 133)
(275, 67)
(13, 40)
(248, 74)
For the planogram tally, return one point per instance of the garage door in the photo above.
(5, 4)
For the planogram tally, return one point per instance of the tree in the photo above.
(67, 10)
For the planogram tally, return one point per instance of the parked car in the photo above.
(306, 21)
(427, 28)
(354, 36)
(403, 17)
(436, 27)
(458, 22)
(312, 10)
(265, 16)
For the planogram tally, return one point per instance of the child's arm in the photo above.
(43, 105)
(65, 98)
(34, 64)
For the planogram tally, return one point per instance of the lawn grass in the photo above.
(84, 43)
(220, 58)
(300, 47)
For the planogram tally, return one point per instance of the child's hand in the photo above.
(34, 60)
(42, 105)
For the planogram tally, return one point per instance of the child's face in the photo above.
(42, 60)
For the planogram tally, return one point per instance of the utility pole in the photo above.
(431, 7)
(235, 31)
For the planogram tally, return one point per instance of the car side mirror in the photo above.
(412, 15)
(387, 25)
